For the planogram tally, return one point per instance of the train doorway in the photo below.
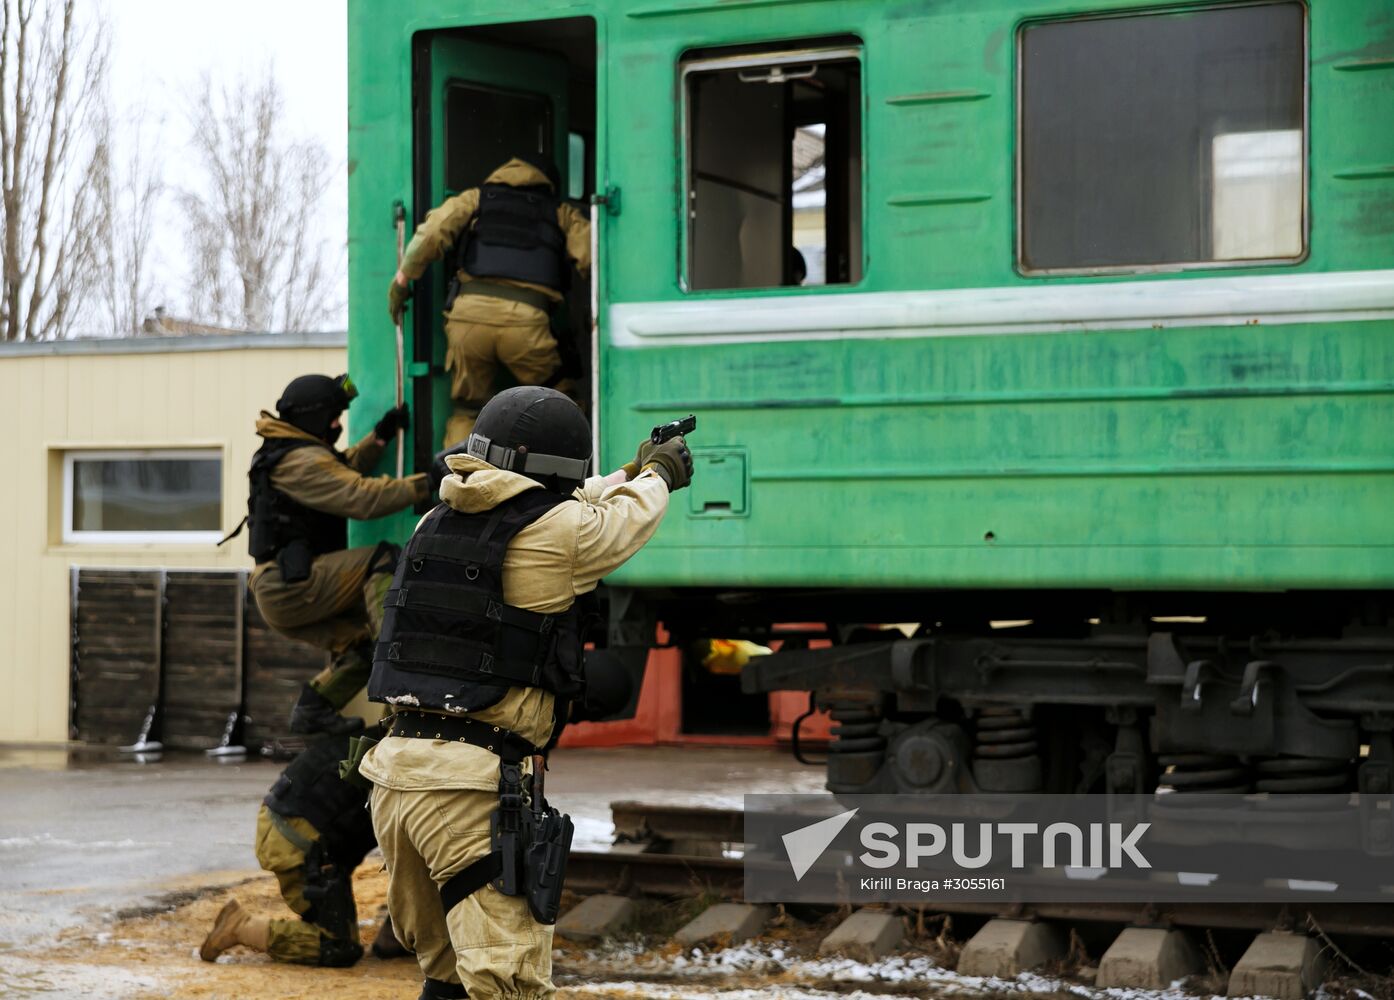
(484, 95)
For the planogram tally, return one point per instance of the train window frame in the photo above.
(1170, 267)
(697, 59)
(71, 535)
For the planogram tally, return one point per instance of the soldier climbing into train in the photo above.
(515, 243)
(308, 584)
(481, 654)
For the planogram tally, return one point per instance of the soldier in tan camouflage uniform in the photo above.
(307, 583)
(516, 244)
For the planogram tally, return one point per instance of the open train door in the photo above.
(478, 103)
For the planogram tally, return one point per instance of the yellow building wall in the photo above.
(52, 403)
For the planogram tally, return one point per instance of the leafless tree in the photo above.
(127, 185)
(252, 225)
(52, 70)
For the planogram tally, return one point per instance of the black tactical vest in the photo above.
(448, 641)
(515, 235)
(275, 520)
(310, 787)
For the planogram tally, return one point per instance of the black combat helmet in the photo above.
(537, 432)
(313, 402)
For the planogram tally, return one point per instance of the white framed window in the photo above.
(143, 496)
(772, 148)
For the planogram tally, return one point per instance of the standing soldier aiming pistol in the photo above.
(515, 243)
(308, 584)
(481, 653)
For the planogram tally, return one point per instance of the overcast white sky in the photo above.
(160, 48)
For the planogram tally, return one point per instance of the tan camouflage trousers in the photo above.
(490, 942)
(296, 941)
(473, 354)
(337, 608)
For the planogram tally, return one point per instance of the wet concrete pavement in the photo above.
(86, 834)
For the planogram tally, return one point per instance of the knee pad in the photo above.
(439, 989)
(337, 953)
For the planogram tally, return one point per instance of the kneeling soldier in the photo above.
(482, 640)
(312, 832)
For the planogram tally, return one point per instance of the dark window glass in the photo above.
(147, 494)
(485, 127)
(774, 172)
(1163, 138)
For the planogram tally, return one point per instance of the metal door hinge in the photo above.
(610, 199)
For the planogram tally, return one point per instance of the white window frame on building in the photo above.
(75, 536)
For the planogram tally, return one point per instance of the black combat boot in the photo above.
(313, 713)
(439, 989)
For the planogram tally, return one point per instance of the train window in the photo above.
(773, 168)
(1163, 140)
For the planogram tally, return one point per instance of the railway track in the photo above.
(664, 850)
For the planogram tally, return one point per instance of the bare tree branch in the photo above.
(53, 68)
(249, 231)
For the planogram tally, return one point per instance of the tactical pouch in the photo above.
(295, 561)
(545, 865)
(358, 747)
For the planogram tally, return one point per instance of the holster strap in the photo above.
(470, 879)
(511, 293)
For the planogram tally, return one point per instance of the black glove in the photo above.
(394, 420)
(672, 461)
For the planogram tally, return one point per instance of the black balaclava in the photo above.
(313, 402)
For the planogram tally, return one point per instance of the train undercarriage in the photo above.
(1068, 692)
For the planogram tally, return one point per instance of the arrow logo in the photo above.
(807, 844)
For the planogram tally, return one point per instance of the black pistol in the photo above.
(670, 430)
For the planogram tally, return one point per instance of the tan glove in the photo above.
(397, 296)
(672, 461)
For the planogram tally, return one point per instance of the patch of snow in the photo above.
(632, 957)
(404, 699)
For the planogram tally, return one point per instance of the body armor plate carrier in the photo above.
(515, 235)
(310, 787)
(282, 529)
(449, 641)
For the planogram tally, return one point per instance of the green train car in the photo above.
(1063, 331)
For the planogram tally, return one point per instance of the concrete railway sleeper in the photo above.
(1244, 949)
